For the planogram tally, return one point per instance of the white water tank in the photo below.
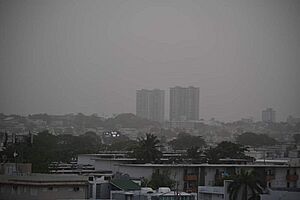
(164, 190)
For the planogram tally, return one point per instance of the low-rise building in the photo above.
(163, 193)
(43, 186)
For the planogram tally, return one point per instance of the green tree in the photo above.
(185, 141)
(194, 154)
(256, 140)
(246, 185)
(42, 152)
(47, 148)
(122, 145)
(161, 180)
(297, 138)
(147, 149)
(129, 120)
(226, 150)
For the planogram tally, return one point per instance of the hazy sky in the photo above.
(91, 56)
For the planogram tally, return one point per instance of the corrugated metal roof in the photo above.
(125, 184)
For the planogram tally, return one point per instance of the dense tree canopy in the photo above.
(122, 145)
(161, 180)
(146, 150)
(226, 150)
(194, 154)
(47, 148)
(297, 138)
(185, 141)
(128, 120)
(255, 140)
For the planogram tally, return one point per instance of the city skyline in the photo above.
(90, 57)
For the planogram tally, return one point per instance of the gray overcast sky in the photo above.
(91, 56)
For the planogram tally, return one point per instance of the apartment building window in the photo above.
(14, 189)
(33, 191)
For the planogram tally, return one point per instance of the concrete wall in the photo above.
(85, 159)
(279, 195)
(18, 192)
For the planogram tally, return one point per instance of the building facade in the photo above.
(268, 115)
(276, 175)
(184, 103)
(150, 104)
(43, 186)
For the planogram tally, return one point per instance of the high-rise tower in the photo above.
(268, 115)
(184, 103)
(150, 104)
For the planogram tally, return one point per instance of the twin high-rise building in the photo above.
(184, 104)
(150, 104)
(268, 115)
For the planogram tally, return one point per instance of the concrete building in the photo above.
(189, 125)
(268, 115)
(15, 168)
(43, 186)
(274, 174)
(150, 104)
(279, 174)
(221, 193)
(189, 176)
(150, 194)
(184, 103)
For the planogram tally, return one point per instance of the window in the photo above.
(75, 189)
(20, 189)
(14, 189)
(33, 191)
(288, 184)
(50, 188)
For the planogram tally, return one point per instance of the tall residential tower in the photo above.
(184, 103)
(150, 104)
(268, 115)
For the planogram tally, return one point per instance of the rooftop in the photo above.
(205, 165)
(124, 184)
(44, 179)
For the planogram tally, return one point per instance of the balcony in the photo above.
(190, 178)
(292, 178)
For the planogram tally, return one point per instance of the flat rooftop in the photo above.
(44, 179)
(207, 165)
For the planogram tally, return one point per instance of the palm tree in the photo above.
(147, 149)
(243, 183)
